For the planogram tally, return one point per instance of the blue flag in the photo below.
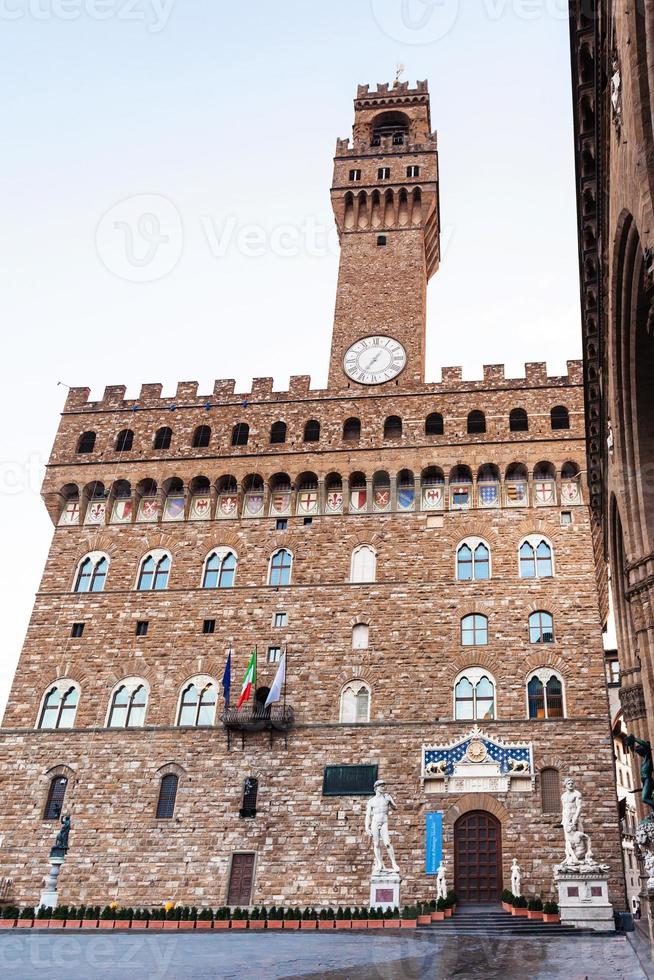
(227, 677)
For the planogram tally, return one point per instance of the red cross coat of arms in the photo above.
(544, 493)
(308, 501)
(70, 513)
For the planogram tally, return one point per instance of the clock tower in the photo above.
(385, 200)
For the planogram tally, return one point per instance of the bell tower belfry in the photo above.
(385, 200)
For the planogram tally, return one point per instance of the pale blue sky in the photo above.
(231, 113)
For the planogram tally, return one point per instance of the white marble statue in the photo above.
(578, 848)
(516, 878)
(377, 812)
(441, 881)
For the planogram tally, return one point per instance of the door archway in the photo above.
(478, 857)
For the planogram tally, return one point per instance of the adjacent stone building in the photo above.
(422, 553)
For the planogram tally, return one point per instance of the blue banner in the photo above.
(433, 842)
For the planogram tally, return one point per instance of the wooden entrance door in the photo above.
(478, 857)
(241, 877)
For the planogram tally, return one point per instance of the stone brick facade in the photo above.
(411, 496)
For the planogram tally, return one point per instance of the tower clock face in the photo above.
(374, 360)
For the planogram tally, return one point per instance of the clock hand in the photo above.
(374, 361)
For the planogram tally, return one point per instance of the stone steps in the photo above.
(491, 921)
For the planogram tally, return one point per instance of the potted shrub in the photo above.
(343, 920)
(409, 918)
(157, 918)
(140, 919)
(439, 914)
(292, 919)
(276, 918)
(358, 921)
(535, 909)
(519, 907)
(222, 918)
(240, 918)
(204, 919)
(172, 916)
(8, 916)
(309, 919)
(107, 918)
(58, 917)
(91, 916)
(186, 918)
(392, 918)
(42, 917)
(123, 918)
(26, 918)
(258, 918)
(74, 917)
(551, 913)
(451, 901)
(424, 914)
(507, 900)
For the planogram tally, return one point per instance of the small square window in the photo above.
(142, 627)
(355, 175)
(308, 521)
(281, 524)
(381, 240)
(209, 626)
(77, 630)
(413, 171)
(384, 173)
(566, 517)
(280, 620)
(274, 655)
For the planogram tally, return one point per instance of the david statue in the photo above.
(377, 810)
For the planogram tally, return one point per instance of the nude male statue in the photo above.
(377, 811)
(577, 844)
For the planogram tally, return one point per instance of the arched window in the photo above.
(163, 438)
(219, 570)
(560, 418)
(473, 561)
(54, 803)
(240, 434)
(86, 442)
(550, 790)
(312, 431)
(281, 565)
(474, 696)
(167, 796)
(92, 573)
(474, 630)
(518, 420)
(128, 705)
(355, 703)
(393, 427)
(352, 430)
(201, 437)
(249, 804)
(153, 575)
(545, 694)
(476, 423)
(124, 441)
(197, 706)
(364, 564)
(277, 433)
(59, 706)
(536, 558)
(434, 424)
(360, 634)
(541, 627)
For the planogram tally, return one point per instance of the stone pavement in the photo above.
(386, 956)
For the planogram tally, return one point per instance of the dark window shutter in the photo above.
(349, 780)
(550, 791)
(167, 797)
(250, 790)
(55, 801)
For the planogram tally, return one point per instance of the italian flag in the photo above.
(249, 680)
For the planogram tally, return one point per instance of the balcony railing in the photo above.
(277, 718)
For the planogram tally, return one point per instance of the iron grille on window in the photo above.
(167, 797)
(349, 780)
(550, 791)
(54, 803)
(250, 790)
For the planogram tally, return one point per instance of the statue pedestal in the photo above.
(584, 897)
(385, 890)
(49, 895)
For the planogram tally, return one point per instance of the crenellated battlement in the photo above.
(186, 394)
(395, 92)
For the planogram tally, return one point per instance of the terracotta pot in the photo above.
(534, 916)
(359, 923)
(552, 918)
(187, 924)
(89, 924)
(7, 923)
(409, 923)
(24, 923)
(221, 923)
(519, 913)
(326, 924)
(424, 920)
(309, 923)
(139, 923)
(257, 923)
(438, 916)
(391, 923)
(106, 923)
(171, 923)
(239, 923)
(506, 906)
(448, 913)
(156, 924)
(205, 923)
(122, 923)
(73, 923)
(275, 923)
(375, 923)
(344, 923)
(292, 923)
